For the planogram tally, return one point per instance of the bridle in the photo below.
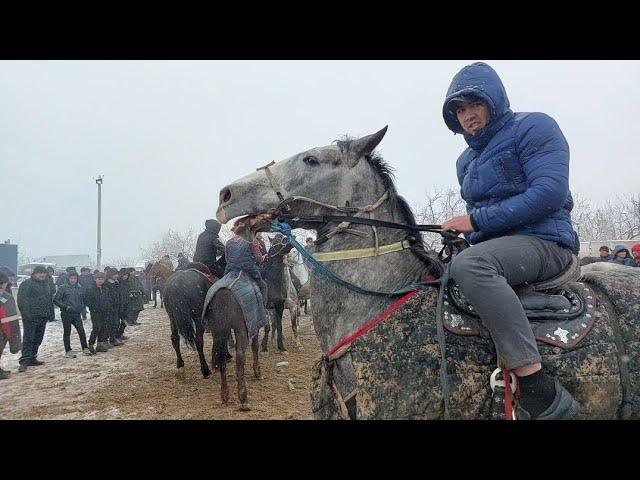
(452, 243)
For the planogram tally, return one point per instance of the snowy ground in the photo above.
(140, 381)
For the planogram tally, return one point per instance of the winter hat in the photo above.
(39, 269)
(636, 250)
(72, 273)
(111, 272)
(71, 269)
(123, 271)
(98, 275)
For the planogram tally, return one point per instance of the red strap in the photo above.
(508, 395)
(364, 329)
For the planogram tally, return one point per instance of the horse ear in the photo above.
(364, 146)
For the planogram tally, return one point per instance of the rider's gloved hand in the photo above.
(281, 227)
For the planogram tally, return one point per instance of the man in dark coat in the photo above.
(273, 273)
(52, 288)
(209, 247)
(183, 262)
(113, 287)
(605, 254)
(98, 299)
(36, 307)
(69, 298)
(514, 178)
(85, 280)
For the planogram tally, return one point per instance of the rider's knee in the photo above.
(468, 265)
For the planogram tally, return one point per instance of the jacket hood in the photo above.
(481, 81)
(620, 248)
(212, 226)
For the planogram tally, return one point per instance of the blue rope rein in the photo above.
(285, 229)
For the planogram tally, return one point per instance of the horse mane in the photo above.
(201, 267)
(386, 174)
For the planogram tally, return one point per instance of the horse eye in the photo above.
(310, 160)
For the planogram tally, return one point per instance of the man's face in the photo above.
(473, 116)
(40, 276)
(621, 254)
(604, 253)
(99, 281)
(73, 280)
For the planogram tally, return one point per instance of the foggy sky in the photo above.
(167, 135)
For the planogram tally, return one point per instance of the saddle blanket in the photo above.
(247, 294)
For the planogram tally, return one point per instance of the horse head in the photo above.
(336, 174)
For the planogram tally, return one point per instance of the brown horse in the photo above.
(158, 275)
(224, 313)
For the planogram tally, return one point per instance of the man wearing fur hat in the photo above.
(36, 307)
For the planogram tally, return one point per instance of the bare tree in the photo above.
(439, 205)
(120, 262)
(171, 243)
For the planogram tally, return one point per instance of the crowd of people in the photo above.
(621, 255)
(114, 298)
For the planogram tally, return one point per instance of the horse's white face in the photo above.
(331, 174)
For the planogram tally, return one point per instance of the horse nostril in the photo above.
(225, 195)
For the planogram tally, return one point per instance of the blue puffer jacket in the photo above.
(514, 176)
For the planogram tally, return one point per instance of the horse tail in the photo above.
(180, 315)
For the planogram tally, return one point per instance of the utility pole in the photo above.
(99, 251)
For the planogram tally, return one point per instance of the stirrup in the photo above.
(494, 382)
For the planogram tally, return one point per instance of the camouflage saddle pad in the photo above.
(561, 317)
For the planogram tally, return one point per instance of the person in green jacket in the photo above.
(136, 298)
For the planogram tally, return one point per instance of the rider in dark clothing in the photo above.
(209, 246)
(183, 262)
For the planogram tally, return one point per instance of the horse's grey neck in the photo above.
(337, 311)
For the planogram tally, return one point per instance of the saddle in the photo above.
(561, 309)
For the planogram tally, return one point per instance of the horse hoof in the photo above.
(180, 372)
(244, 407)
(206, 374)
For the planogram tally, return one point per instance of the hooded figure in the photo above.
(635, 251)
(514, 176)
(209, 246)
(627, 260)
(514, 179)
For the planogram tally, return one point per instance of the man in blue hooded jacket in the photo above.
(514, 178)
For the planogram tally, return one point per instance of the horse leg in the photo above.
(175, 340)
(155, 297)
(265, 339)
(278, 324)
(256, 361)
(204, 368)
(220, 362)
(294, 327)
(242, 341)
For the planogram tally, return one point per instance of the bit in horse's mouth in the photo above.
(258, 221)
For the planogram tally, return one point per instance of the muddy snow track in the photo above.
(140, 381)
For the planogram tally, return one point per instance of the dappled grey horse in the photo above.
(347, 177)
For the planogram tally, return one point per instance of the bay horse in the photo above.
(224, 313)
(392, 371)
(184, 293)
(158, 275)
